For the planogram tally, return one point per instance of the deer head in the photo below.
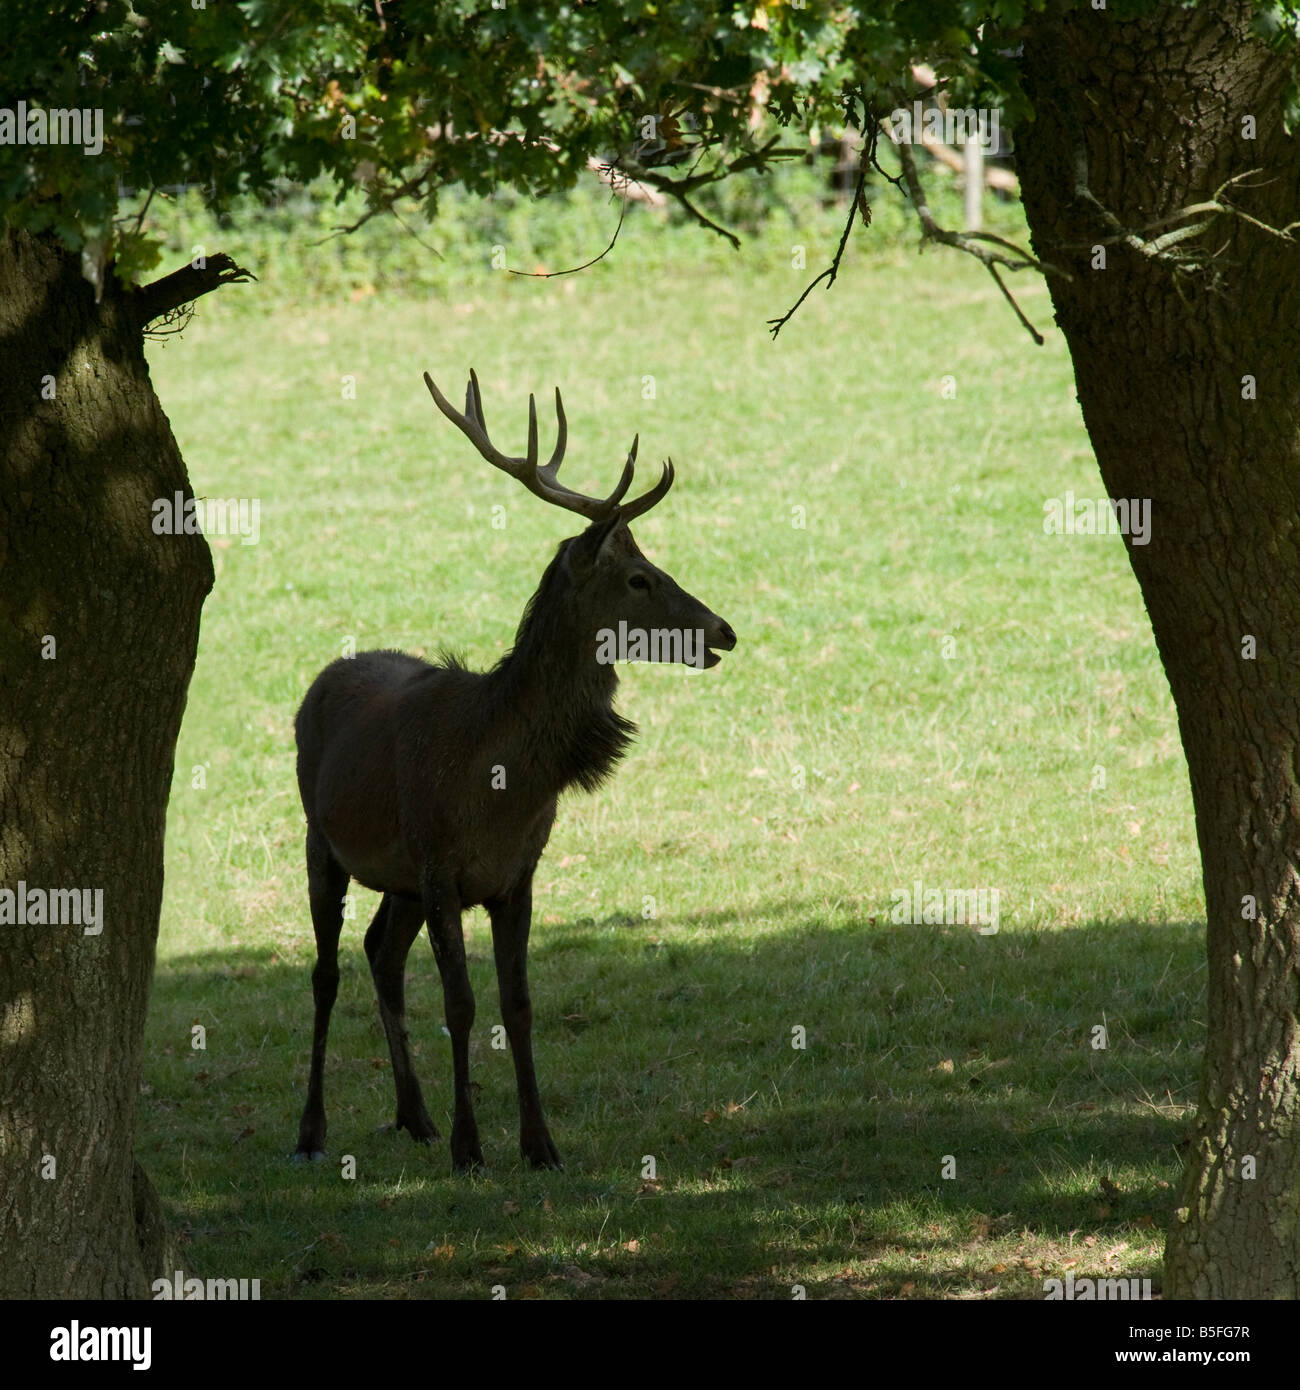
(626, 607)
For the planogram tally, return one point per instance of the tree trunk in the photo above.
(1193, 401)
(99, 622)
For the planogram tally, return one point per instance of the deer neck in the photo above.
(558, 700)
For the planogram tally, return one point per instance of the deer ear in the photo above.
(586, 548)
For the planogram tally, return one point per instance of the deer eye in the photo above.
(638, 581)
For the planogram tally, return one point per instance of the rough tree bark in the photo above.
(99, 623)
(1160, 107)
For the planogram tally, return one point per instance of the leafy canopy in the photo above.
(408, 96)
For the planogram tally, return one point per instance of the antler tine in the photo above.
(539, 480)
(640, 505)
(561, 436)
(532, 433)
(474, 402)
(472, 425)
(466, 423)
(625, 482)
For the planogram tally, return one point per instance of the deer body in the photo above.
(437, 787)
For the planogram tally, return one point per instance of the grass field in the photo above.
(926, 687)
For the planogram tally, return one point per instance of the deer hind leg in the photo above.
(388, 942)
(511, 919)
(327, 882)
(442, 910)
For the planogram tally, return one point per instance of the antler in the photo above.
(541, 480)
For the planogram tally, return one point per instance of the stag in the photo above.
(437, 786)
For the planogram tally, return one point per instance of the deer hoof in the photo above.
(468, 1164)
(308, 1156)
(423, 1131)
(543, 1154)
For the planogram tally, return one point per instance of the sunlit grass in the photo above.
(926, 687)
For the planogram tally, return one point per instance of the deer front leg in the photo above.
(442, 909)
(511, 920)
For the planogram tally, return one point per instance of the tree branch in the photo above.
(573, 270)
(866, 160)
(680, 188)
(385, 204)
(185, 285)
(969, 242)
(1159, 248)
(674, 190)
(859, 203)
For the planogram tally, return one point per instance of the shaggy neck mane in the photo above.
(558, 698)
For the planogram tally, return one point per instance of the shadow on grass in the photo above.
(951, 1126)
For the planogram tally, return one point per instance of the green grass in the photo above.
(735, 879)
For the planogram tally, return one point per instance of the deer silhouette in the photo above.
(437, 786)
